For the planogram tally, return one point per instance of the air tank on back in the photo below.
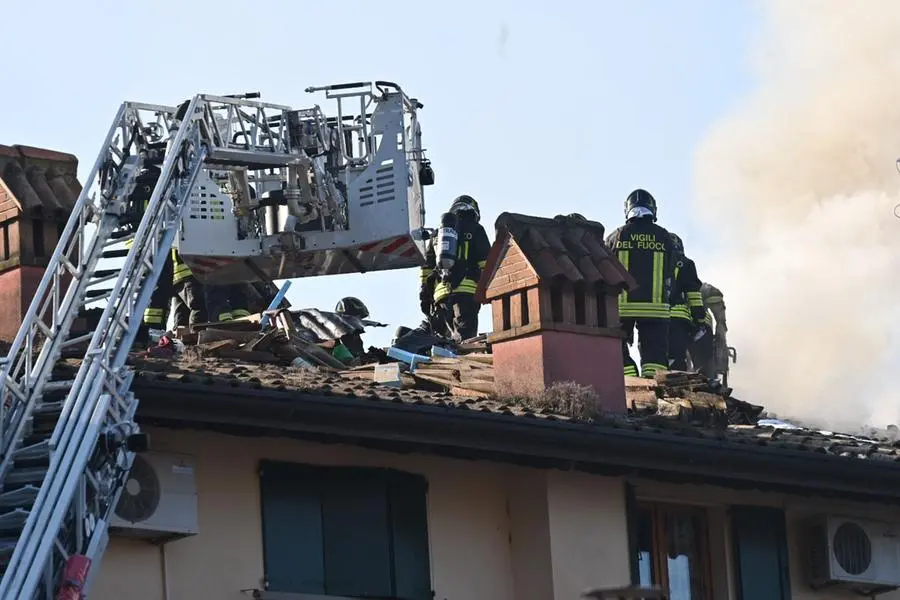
(447, 241)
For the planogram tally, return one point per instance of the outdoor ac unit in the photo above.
(159, 502)
(854, 553)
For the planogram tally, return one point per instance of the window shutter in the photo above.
(292, 528)
(409, 525)
(761, 553)
(357, 533)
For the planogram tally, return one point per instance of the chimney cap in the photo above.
(566, 247)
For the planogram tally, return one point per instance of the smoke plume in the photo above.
(801, 185)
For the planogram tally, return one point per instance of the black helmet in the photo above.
(466, 203)
(353, 307)
(677, 243)
(637, 200)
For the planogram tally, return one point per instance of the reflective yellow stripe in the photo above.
(623, 258)
(180, 270)
(694, 299)
(466, 286)
(650, 369)
(680, 311)
(225, 316)
(424, 274)
(154, 316)
(482, 264)
(240, 312)
(658, 276)
(709, 319)
(715, 299)
(631, 371)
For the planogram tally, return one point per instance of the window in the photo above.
(673, 550)
(345, 531)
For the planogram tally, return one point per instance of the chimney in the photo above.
(38, 189)
(553, 289)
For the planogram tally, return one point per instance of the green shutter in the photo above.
(292, 528)
(760, 553)
(631, 524)
(409, 524)
(357, 533)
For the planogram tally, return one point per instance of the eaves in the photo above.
(608, 449)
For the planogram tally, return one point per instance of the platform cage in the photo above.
(346, 198)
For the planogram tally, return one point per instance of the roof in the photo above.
(39, 180)
(567, 248)
(686, 432)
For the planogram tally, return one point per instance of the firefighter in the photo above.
(450, 276)
(647, 251)
(227, 302)
(351, 343)
(155, 315)
(190, 301)
(687, 314)
(710, 354)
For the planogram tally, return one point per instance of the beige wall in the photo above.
(489, 529)
(497, 532)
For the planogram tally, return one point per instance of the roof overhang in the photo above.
(458, 433)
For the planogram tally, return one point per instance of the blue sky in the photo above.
(534, 107)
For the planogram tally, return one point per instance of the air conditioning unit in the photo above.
(854, 553)
(159, 502)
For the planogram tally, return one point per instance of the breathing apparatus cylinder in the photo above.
(447, 242)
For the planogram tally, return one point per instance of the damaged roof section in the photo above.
(37, 181)
(568, 248)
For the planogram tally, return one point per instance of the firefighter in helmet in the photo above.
(687, 316)
(452, 269)
(647, 251)
(351, 345)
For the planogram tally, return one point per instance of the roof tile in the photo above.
(40, 180)
(564, 247)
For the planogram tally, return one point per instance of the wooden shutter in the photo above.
(760, 553)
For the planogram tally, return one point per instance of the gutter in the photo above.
(566, 444)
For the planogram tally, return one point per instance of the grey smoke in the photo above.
(800, 182)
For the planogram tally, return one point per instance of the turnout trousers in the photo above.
(157, 313)
(653, 345)
(190, 303)
(680, 333)
(457, 316)
(703, 356)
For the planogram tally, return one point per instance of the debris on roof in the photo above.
(300, 338)
(687, 397)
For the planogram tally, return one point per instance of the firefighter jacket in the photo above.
(646, 250)
(471, 256)
(686, 300)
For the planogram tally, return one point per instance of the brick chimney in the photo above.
(553, 290)
(38, 189)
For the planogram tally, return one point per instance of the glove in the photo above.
(702, 330)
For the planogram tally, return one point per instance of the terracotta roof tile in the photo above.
(39, 179)
(562, 247)
(226, 376)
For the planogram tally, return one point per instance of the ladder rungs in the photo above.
(13, 519)
(23, 496)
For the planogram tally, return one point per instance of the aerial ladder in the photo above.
(67, 444)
